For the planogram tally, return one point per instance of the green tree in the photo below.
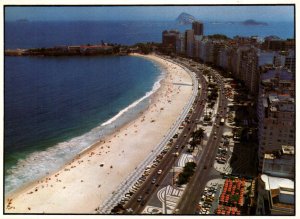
(188, 171)
(199, 134)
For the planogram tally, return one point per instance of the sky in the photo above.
(204, 13)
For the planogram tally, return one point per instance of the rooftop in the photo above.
(270, 156)
(288, 149)
(285, 150)
(281, 102)
(280, 73)
(277, 182)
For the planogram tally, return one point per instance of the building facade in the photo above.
(276, 196)
(169, 40)
(189, 43)
(280, 163)
(197, 26)
(276, 112)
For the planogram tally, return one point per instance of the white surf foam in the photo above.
(156, 86)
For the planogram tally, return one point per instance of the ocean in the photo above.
(49, 34)
(56, 107)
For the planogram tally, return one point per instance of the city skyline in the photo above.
(204, 13)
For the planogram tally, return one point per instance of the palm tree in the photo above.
(199, 134)
(193, 144)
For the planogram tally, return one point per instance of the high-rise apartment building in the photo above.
(276, 112)
(189, 43)
(197, 26)
(217, 46)
(290, 61)
(197, 45)
(180, 44)
(206, 51)
(225, 58)
(169, 39)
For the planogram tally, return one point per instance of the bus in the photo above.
(222, 121)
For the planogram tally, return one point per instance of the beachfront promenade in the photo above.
(126, 185)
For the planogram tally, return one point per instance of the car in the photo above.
(133, 190)
(140, 198)
(154, 165)
(125, 199)
(153, 180)
(129, 193)
(159, 172)
(177, 146)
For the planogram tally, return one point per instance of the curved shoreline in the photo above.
(148, 95)
(80, 174)
(36, 162)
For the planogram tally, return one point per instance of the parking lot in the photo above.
(210, 197)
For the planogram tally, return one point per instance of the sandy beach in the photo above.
(86, 182)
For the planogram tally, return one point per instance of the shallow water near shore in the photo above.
(57, 107)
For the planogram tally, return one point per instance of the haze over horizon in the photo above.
(159, 13)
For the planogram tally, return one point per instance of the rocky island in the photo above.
(251, 22)
(185, 18)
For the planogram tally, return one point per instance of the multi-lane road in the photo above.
(191, 195)
(149, 188)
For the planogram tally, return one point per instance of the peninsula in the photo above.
(80, 50)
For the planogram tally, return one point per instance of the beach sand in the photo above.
(85, 183)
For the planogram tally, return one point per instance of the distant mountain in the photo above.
(185, 18)
(254, 23)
